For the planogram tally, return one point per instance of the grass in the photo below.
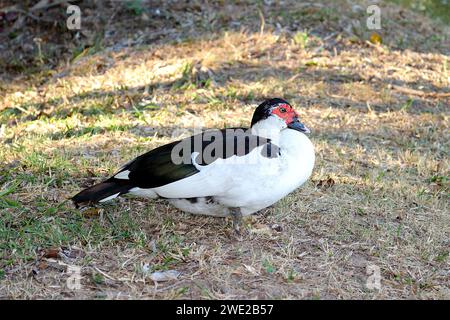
(378, 195)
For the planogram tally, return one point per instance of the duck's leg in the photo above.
(237, 219)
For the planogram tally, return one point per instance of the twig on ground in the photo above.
(421, 93)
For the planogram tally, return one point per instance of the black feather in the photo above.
(101, 191)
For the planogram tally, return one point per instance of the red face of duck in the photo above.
(285, 112)
(280, 109)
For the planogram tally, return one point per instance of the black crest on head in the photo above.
(264, 109)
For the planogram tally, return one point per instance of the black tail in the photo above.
(101, 191)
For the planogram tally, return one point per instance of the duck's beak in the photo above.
(297, 125)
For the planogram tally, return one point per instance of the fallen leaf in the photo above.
(161, 276)
(325, 184)
(51, 253)
(91, 212)
(375, 38)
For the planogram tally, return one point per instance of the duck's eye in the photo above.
(283, 110)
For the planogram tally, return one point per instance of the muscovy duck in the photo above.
(235, 171)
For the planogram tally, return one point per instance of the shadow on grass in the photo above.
(418, 97)
(111, 26)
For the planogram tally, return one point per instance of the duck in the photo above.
(232, 172)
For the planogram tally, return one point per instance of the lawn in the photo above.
(75, 106)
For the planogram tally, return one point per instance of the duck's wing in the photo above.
(174, 161)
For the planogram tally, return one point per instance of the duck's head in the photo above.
(277, 113)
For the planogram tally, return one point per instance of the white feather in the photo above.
(145, 193)
(123, 175)
(110, 197)
(200, 206)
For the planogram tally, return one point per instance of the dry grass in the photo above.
(378, 195)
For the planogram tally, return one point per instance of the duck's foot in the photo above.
(237, 220)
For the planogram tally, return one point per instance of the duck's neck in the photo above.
(269, 128)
